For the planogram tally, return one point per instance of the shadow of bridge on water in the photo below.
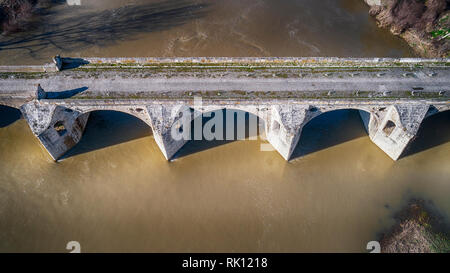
(102, 28)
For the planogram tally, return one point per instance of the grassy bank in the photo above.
(419, 229)
(424, 25)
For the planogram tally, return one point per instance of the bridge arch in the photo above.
(105, 128)
(330, 127)
(235, 124)
(365, 112)
(139, 112)
(433, 131)
(259, 111)
(436, 109)
(251, 118)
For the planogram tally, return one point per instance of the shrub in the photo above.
(14, 14)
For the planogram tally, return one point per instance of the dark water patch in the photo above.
(8, 115)
(238, 121)
(108, 128)
(434, 131)
(329, 129)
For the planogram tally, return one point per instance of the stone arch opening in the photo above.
(329, 129)
(60, 128)
(389, 127)
(433, 131)
(106, 128)
(276, 127)
(9, 115)
(220, 126)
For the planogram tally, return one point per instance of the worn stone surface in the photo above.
(284, 119)
(57, 128)
(397, 127)
(393, 96)
(284, 127)
(247, 78)
(163, 119)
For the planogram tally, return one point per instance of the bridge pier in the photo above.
(171, 126)
(58, 128)
(392, 128)
(284, 126)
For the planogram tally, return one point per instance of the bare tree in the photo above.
(15, 13)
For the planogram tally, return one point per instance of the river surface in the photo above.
(115, 191)
(129, 28)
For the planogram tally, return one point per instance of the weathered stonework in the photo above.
(396, 126)
(390, 125)
(164, 118)
(57, 128)
(393, 95)
(284, 127)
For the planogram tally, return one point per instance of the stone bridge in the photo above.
(393, 96)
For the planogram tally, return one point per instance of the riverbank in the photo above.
(15, 15)
(419, 229)
(424, 25)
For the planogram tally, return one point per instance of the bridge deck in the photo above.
(286, 93)
(246, 78)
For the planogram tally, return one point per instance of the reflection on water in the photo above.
(430, 135)
(111, 28)
(109, 128)
(8, 115)
(329, 129)
(234, 197)
(238, 122)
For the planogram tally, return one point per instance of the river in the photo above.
(115, 191)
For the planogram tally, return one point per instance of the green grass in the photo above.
(440, 33)
(440, 243)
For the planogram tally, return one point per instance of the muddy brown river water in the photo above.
(129, 28)
(115, 191)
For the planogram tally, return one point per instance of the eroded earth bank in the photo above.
(424, 25)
